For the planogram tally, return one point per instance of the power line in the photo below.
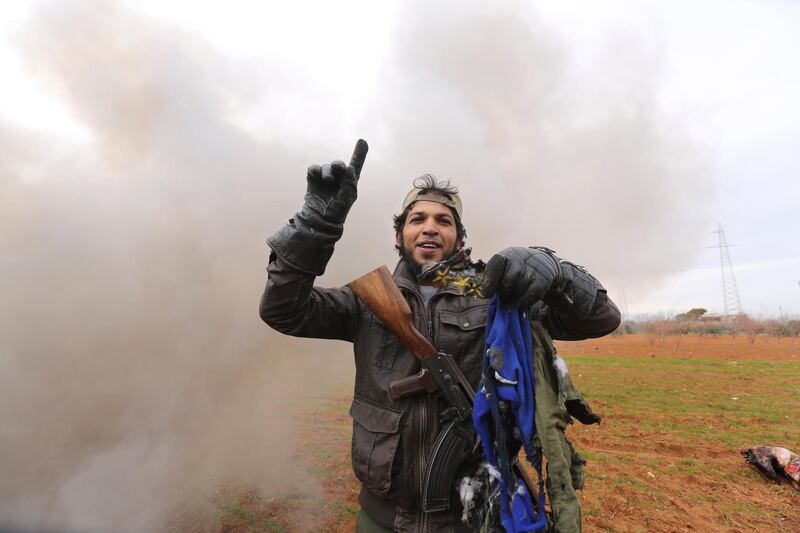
(731, 303)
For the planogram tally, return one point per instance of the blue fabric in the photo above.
(508, 376)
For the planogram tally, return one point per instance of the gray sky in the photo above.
(717, 78)
(148, 148)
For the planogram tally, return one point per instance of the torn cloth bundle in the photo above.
(503, 414)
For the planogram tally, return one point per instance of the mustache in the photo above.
(406, 253)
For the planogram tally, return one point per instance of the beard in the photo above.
(407, 257)
(409, 261)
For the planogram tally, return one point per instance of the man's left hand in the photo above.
(521, 275)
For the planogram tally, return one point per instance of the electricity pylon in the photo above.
(730, 292)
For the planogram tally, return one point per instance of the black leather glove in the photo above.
(521, 275)
(306, 242)
(330, 193)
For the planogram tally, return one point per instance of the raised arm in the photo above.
(301, 250)
(292, 305)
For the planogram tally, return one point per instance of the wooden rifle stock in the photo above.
(378, 291)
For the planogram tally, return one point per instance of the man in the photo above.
(447, 294)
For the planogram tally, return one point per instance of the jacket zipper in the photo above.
(423, 423)
(423, 411)
(423, 414)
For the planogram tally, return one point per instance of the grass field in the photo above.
(675, 412)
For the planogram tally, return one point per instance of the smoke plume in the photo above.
(135, 369)
(548, 150)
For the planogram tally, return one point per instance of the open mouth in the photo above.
(429, 245)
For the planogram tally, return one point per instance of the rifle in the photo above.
(456, 440)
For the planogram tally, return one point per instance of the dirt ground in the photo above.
(759, 347)
(666, 456)
(676, 411)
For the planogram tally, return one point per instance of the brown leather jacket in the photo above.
(392, 440)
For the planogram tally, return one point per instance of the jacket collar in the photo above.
(404, 277)
(461, 261)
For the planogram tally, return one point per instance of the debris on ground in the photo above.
(775, 463)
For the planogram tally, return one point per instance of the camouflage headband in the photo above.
(450, 200)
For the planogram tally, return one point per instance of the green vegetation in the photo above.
(697, 321)
(668, 449)
(692, 314)
(231, 510)
(342, 506)
(736, 403)
(664, 459)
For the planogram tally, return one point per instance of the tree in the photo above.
(692, 314)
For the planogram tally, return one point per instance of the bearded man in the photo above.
(447, 293)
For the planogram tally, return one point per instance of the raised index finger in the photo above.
(359, 155)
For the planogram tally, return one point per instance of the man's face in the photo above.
(429, 234)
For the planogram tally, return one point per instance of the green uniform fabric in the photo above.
(365, 524)
(564, 466)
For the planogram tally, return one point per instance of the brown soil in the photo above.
(646, 481)
(649, 482)
(726, 347)
(641, 475)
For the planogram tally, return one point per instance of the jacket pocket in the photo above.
(376, 434)
(469, 320)
(463, 335)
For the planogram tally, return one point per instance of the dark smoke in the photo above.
(135, 370)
